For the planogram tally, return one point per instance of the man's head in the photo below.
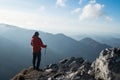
(36, 33)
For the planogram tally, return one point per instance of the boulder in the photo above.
(107, 65)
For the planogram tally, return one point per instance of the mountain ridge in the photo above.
(60, 46)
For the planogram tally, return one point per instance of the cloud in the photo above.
(61, 3)
(23, 19)
(77, 10)
(36, 21)
(108, 18)
(91, 11)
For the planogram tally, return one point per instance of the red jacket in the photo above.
(37, 43)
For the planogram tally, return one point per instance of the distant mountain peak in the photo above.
(89, 41)
(8, 26)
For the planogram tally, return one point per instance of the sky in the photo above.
(71, 17)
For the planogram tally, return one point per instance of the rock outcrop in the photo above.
(66, 69)
(105, 67)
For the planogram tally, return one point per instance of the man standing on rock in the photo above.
(37, 44)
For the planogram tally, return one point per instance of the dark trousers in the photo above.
(36, 59)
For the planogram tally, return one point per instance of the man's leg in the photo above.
(34, 60)
(39, 60)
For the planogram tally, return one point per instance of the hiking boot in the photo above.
(34, 67)
(39, 69)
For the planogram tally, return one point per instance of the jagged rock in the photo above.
(66, 69)
(84, 68)
(107, 66)
(19, 77)
(54, 67)
(50, 78)
(58, 74)
(63, 61)
(74, 66)
(48, 71)
(82, 72)
(42, 78)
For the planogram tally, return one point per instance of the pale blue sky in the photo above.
(63, 16)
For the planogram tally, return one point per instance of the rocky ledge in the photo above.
(105, 67)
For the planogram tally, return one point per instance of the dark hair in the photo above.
(36, 33)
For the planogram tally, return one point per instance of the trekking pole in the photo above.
(45, 51)
(45, 55)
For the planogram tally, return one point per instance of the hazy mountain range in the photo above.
(16, 51)
(112, 39)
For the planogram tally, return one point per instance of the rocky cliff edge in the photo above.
(105, 67)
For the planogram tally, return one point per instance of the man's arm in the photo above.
(32, 42)
(42, 45)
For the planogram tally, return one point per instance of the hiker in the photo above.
(37, 44)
